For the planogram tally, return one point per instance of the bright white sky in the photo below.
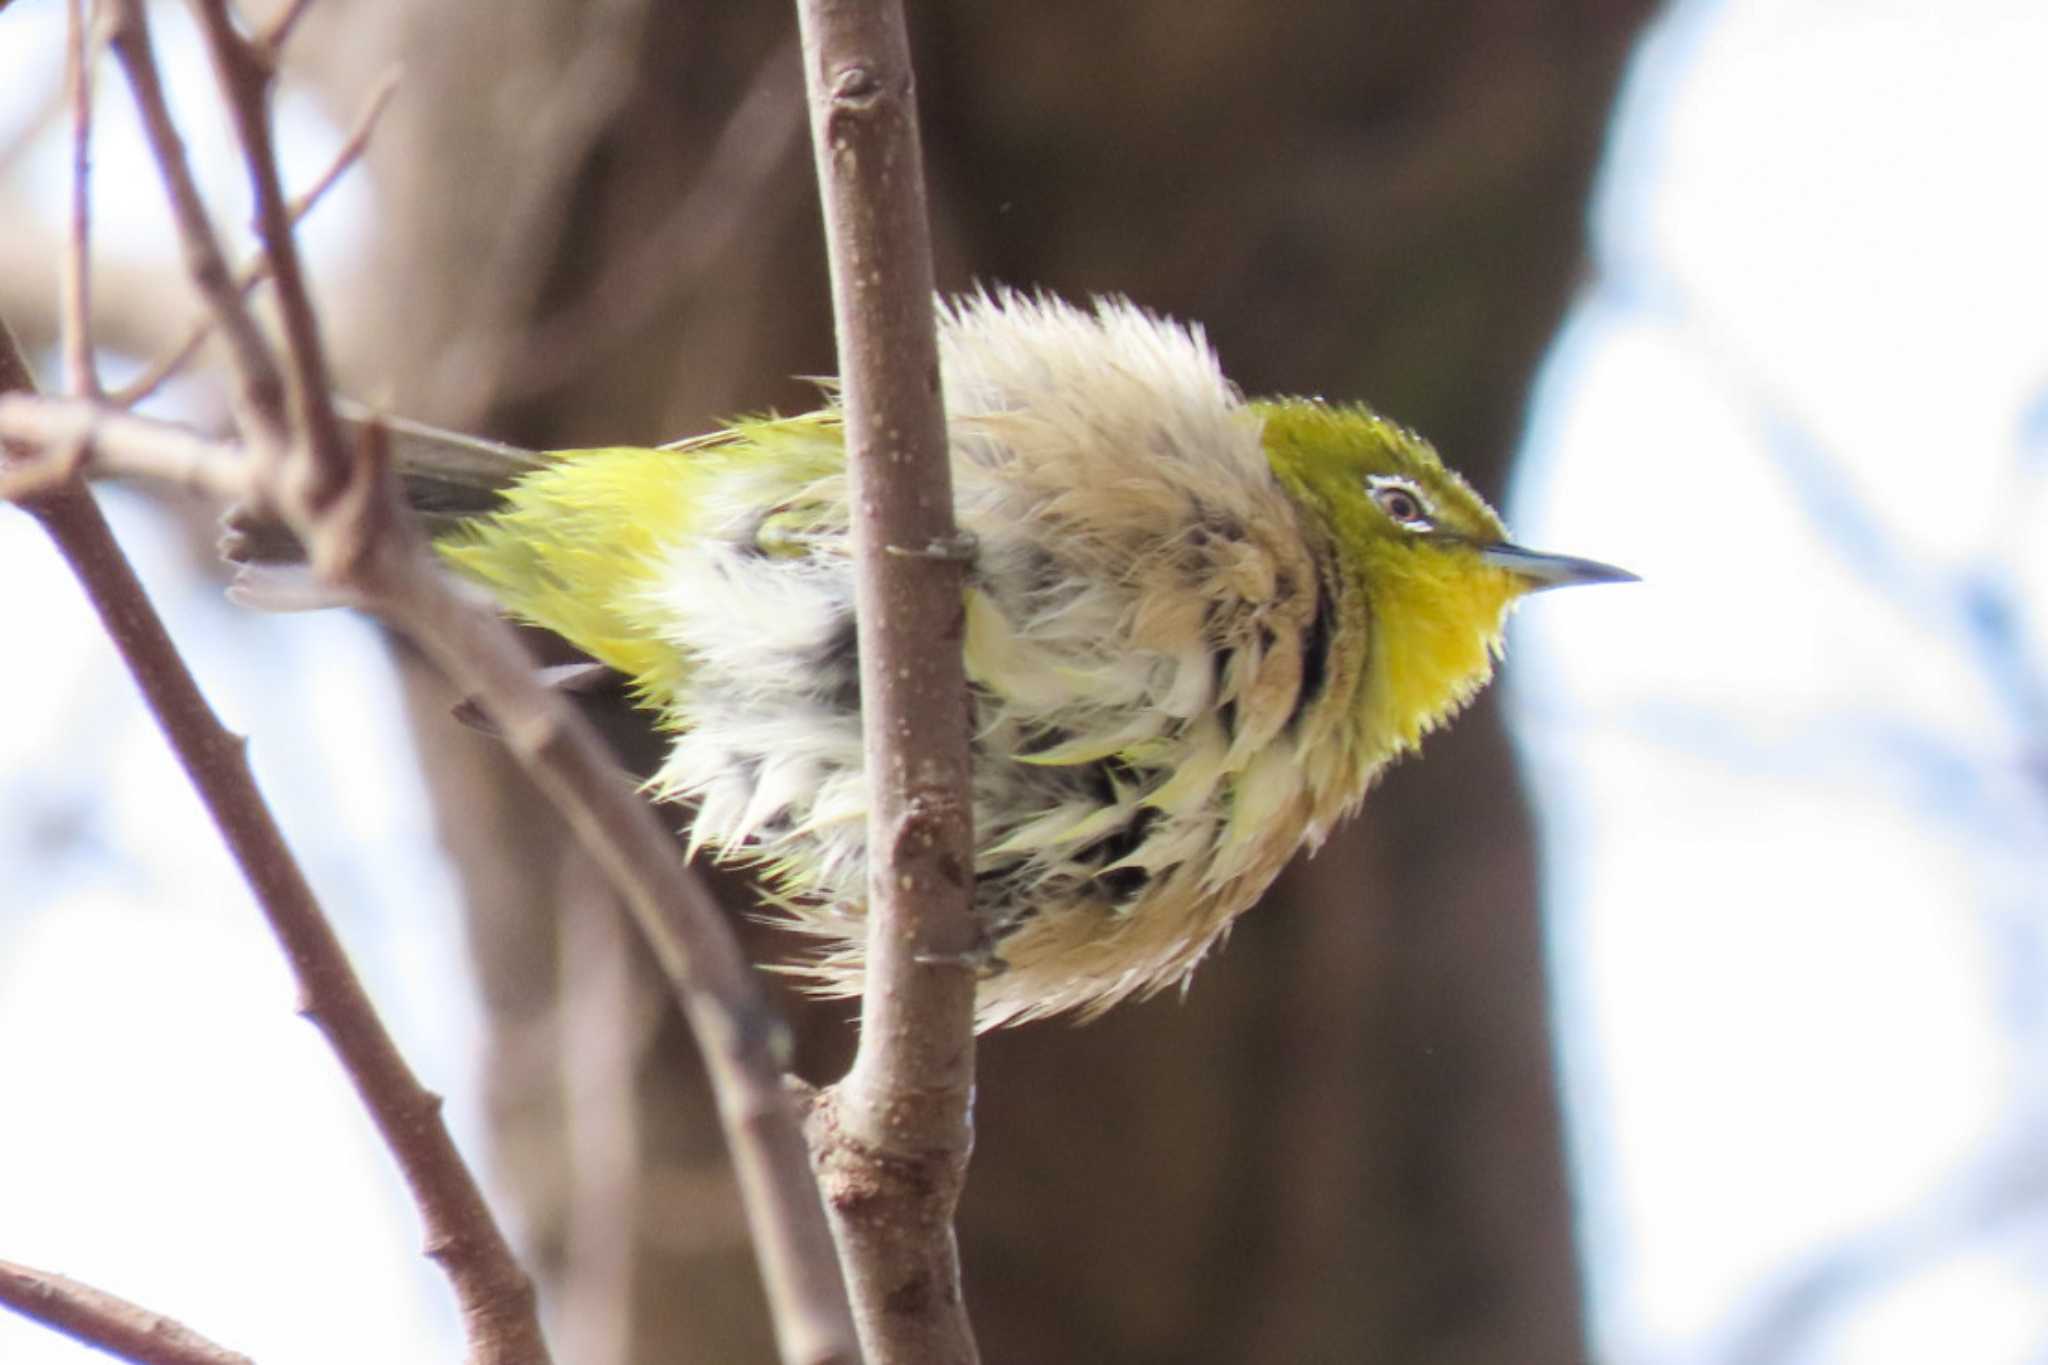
(1797, 864)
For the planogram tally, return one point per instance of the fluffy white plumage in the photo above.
(1142, 630)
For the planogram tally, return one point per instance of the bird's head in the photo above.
(1430, 559)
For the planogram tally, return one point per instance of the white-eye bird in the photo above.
(1196, 627)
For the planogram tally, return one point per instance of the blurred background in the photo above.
(1681, 1006)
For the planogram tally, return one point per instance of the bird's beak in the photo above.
(1543, 571)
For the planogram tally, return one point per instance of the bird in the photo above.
(1197, 627)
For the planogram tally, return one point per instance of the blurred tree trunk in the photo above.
(1345, 1144)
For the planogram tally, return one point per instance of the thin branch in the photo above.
(258, 268)
(15, 377)
(259, 384)
(244, 73)
(81, 371)
(105, 1322)
(70, 432)
(892, 1139)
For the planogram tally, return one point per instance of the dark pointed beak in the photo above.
(1552, 571)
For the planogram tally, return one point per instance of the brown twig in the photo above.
(118, 443)
(105, 1322)
(324, 469)
(82, 375)
(258, 268)
(893, 1137)
(259, 384)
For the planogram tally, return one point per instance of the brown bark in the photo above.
(891, 1137)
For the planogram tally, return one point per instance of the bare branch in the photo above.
(71, 433)
(385, 572)
(497, 1297)
(258, 268)
(105, 1322)
(260, 386)
(81, 371)
(892, 1139)
(325, 471)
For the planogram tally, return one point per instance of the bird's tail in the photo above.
(448, 479)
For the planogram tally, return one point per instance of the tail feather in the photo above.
(448, 479)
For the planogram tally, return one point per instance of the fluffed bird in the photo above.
(1197, 627)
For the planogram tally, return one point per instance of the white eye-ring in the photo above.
(1402, 501)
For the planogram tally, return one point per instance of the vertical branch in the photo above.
(259, 386)
(892, 1138)
(81, 374)
(244, 71)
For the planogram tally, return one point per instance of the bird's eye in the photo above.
(1402, 504)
